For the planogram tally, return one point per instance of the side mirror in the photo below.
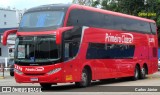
(5, 35)
(59, 33)
(58, 36)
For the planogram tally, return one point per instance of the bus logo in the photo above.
(35, 69)
(151, 40)
(123, 38)
(18, 67)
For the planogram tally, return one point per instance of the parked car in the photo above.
(11, 66)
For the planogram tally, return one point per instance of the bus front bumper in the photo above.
(53, 78)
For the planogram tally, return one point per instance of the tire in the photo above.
(85, 79)
(143, 73)
(136, 73)
(45, 85)
(11, 73)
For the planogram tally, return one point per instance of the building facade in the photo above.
(9, 19)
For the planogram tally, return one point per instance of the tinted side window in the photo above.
(94, 19)
(143, 27)
(153, 28)
(154, 49)
(109, 51)
(74, 18)
(126, 24)
(136, 26)
(85, 18)
(112, 22)
(71, 42)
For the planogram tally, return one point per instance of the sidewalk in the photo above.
(6, 74)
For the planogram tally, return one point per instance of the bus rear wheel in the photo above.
(85, 79)
(45, 85)
(143, 72)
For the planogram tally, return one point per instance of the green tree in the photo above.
(83, 2)
(134, 7)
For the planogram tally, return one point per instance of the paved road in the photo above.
(97, 87)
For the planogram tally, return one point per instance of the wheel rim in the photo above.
(143, 72)
(84, 78)
(136, 73)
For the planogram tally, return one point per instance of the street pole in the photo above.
(3, 72)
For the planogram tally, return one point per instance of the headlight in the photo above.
(18, 71)
(54, 71)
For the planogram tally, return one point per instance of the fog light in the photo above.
(54, 71)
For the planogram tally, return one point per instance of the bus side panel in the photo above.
(99, 68)
(71, 70)
(126, 66)
(102, 68)
(123, 67)
(153, 56)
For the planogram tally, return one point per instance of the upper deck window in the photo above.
(42, 20)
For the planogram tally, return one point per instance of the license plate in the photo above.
(34, 79)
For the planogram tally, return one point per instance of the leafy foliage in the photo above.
(133, 7)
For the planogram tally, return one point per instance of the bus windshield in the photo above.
(42, 20)
(37, 49)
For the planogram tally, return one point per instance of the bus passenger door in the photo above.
(70, 65)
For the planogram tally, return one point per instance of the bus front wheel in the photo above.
(85, 79)
(136, 73)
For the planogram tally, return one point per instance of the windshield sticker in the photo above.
(32, 59)
(21, 51)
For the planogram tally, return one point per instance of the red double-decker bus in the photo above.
(74, 43)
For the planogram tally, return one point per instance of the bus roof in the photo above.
(49, 7)
(74, 6)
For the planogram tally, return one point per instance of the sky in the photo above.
(22, 4)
